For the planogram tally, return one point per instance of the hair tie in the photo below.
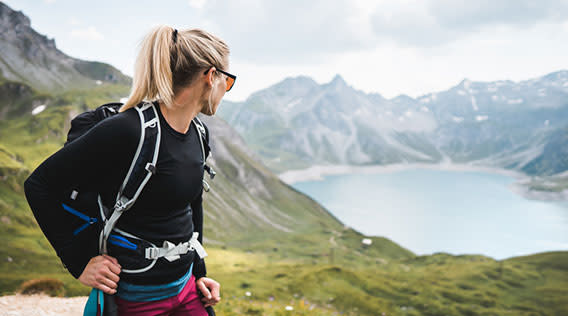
(175, 36)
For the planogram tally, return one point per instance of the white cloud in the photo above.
(74, 21)
(437, 22)
(198, 4)
(278, 32)
(89, 33)
(49, 1)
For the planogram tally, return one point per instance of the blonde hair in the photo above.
(168, 61)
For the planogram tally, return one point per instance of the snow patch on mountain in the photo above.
(403, 148)
(38, 109)
(520, 155)
(291, 105)
(515, 101)
(474, 103)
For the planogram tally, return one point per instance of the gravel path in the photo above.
(41, 305)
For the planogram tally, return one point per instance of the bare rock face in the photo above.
(31, 58)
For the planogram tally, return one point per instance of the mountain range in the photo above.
(298, 123)
(521, 126)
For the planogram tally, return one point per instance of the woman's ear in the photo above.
(209, 76)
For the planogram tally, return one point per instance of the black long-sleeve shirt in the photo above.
(169, 207)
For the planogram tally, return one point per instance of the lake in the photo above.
(458, 212)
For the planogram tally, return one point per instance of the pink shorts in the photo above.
(186, 303)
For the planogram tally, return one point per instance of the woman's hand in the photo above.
(102, 273)
(210, 290)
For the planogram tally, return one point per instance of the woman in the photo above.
(183, 73)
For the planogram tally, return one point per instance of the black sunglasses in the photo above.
(230, 78)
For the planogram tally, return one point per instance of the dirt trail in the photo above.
(41, 305)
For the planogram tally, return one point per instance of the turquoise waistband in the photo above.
(148, 293)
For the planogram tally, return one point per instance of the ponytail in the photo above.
(169, 60)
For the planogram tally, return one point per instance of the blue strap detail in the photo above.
(95, 301)
(78, 230)
(87, 219)
(121, 242)
(150, 293)
(75, 212)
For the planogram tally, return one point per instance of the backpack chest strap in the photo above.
(172, 252)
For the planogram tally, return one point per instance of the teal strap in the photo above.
(96, 300)
(149, 293)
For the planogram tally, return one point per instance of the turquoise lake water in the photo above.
(458, 212)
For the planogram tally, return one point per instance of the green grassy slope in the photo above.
(439, 284)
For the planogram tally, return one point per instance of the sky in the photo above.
(388, 47)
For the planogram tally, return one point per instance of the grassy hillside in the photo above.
(440, 284)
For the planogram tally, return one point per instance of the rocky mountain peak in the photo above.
(465, 84)
(337, 81)
(10, 19)
(561, 76)
(15, 28)
(31, 58)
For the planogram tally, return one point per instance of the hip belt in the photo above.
(137, 255)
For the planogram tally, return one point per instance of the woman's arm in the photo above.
(91, 161)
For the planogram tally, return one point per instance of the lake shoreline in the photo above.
(510, 183)
(520, 187)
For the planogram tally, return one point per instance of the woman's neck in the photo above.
(186, 106)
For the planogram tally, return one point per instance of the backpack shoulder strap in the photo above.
(205, 149)
(202, 131)
(143, 166)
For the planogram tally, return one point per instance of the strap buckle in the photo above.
(152, 253)
(150, 167)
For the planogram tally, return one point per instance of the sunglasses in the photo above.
(230, 78)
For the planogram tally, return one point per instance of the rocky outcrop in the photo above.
(31, 58)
